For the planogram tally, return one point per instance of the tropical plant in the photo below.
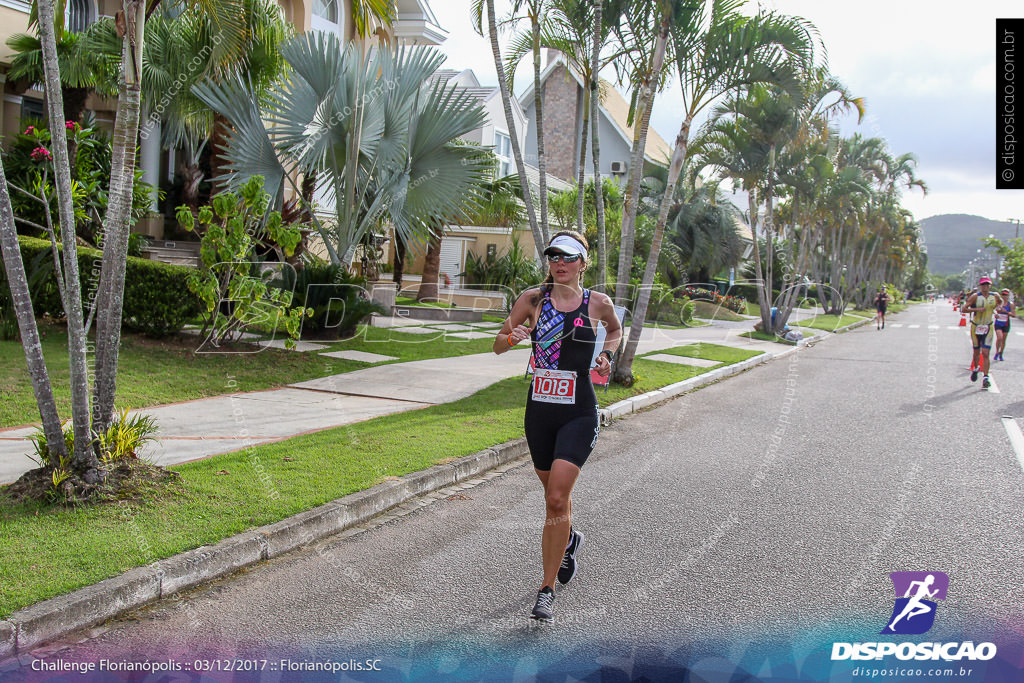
(234, 229)
(371, 129)
(83, 68)
(716, 51)
(30, 173)
(181, 51)
(335, 301)
(539, 228)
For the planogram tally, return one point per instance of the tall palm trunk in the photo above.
(84, 460)
(399, 270)
(595, 141)
(117, 224)
(22, 302)
(542, 164)
(428, 291)
(624, 368)
(642, 121)
(582, 160)
(763, 296)
(539, 232)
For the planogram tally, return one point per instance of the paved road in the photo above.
(706, 536)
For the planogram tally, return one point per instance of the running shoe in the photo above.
(568, 568)
(974, 375)
(986, 383)
(543, 610)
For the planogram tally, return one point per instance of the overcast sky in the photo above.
(925, 69)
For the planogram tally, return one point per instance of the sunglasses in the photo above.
(564, 258)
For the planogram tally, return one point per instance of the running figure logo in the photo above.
(914, 612)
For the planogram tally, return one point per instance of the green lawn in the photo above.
(47, 551)
(710, 311)
(829, 323)
(764, 336)
(753, 309)
(153, 372)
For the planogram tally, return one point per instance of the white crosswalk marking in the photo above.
(913, 327)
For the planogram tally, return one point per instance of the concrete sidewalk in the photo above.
(198, 429)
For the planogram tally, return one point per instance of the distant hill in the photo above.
(954, 238)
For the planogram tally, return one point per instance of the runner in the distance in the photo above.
(1002, 322)
(881, 303)
(562, 421)
(982, 306)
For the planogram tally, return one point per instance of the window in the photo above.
(80, 15)
(326, 9)
(32, 110)
(503, 151)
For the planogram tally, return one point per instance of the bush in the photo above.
(338, 301)
(28, 165)
(234, 278)
(157, 300)
(733, 303)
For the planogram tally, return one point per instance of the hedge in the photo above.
(157, 300)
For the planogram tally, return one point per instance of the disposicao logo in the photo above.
(914, 614)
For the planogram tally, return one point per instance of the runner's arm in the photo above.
(517, 324)
(966, 308)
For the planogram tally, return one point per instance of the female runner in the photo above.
(561, 421)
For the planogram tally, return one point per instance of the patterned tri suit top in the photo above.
(563, 341)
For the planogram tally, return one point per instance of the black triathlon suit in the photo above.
(566, 431)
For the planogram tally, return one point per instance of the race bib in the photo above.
(554, 386)
(981, 329)
(1002, 317)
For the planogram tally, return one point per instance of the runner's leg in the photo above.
(558, 500)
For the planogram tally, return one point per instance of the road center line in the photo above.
(913, 327)
(1016, 437)
(992, 387)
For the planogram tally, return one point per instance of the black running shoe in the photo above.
(568, 568)
(986, 383)
(974, 375)
(543, 610)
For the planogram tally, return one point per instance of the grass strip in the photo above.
(829, 322)
(47, 551)
(764, 336)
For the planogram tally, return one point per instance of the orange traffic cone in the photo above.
(963, 320)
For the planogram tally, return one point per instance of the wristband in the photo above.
(509, 340)
(608, 353)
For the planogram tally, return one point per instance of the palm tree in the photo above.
(715, 54)
(643, 33)
(83, 69)
(369, 127)
(539, 229)
(535, 10)
(575, 28)
(181, 52)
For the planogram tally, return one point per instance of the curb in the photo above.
(110, 598)
(852, 326)
(637, 403)
(118, 595)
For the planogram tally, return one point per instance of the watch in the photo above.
(607, 353)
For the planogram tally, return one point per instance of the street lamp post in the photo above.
(1016, 233)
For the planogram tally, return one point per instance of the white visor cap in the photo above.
(567, 245)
